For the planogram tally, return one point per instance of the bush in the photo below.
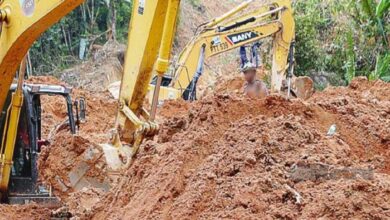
(345, 37)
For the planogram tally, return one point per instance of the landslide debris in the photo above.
(97, 73)
(62, 162)
(227, 156)
(24, 212)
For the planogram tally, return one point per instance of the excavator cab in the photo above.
(23, 185)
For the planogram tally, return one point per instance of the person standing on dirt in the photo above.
(253, 87)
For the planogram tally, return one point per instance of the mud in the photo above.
(223, 157)
(227, 156)
(67, 154)
(231, 157)
(25, 212)
(363, 116)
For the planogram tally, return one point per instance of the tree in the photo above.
(112, 7)
(58, 47)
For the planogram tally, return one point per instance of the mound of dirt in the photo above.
(363, 118)
(64, 161)
(227, 156)
(231, 157)
(24, 212)
(61, 162)
(48, 80)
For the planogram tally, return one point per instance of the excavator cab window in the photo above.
(22, 154)
(80, 106)
(3, 114)
(38, 119)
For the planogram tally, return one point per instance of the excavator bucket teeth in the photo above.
(303, 87)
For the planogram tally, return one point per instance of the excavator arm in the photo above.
(151, 34)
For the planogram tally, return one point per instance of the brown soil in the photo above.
(363, 112)
(25, 212)
(48, 80)
(227, 156)
(231, 157)
(66, 151)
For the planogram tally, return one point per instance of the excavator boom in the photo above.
(151, 33)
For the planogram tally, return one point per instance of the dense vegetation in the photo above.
(341, 39)
(94, 22)
(335, 40)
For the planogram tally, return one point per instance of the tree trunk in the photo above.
(112, 10)
(66, 39)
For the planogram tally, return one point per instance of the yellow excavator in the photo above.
(151, 33)
(243, 25)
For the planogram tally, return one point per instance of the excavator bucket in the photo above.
(303, 87)
(117, 158)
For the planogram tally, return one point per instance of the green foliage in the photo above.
(122, 19)
(351, 61)
(368, 8)
(307, 20)
(58, 48)
(345, 37)
(382, 69)
(382, 8)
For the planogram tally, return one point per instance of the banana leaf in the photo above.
(382, 68)
(368, 8)
(382, 8)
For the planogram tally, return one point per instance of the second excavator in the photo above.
(243, 25)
